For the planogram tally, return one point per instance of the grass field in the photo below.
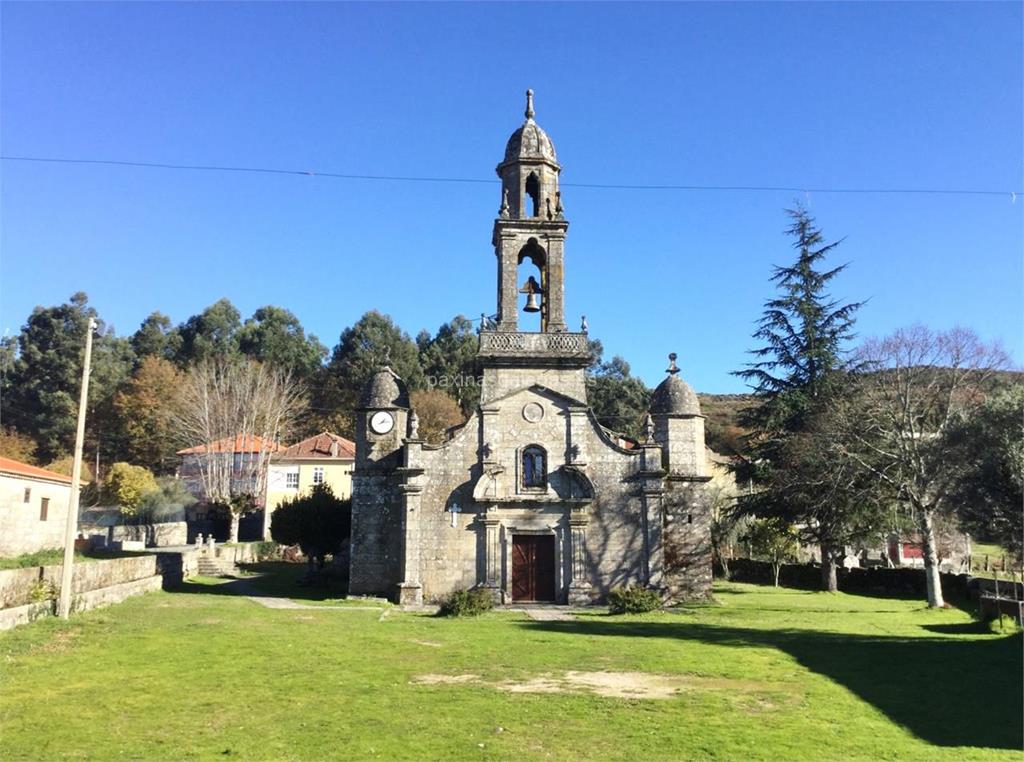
(767, 674)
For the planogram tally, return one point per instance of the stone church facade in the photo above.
(531, 498)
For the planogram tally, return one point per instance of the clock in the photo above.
(382, 422)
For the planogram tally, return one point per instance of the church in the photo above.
(531, 498)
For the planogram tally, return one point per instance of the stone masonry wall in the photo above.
(16, 585)
(375, 547)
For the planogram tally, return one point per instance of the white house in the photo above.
(33, 508)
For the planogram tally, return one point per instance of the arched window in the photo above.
(535, 467)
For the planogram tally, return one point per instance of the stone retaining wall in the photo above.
(92, 599)
(18, 585)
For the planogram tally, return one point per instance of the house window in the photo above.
(44, 508)
(291, 480)
(534, 467)
(28, 494)
(318, 475)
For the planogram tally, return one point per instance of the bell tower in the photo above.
(531, 226)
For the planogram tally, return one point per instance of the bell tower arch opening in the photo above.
(532, 195)
(532, 277)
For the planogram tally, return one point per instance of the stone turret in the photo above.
(678, 424)
(381, 417)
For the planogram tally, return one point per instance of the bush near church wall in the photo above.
(877, 579)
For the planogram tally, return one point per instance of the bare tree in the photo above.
(916, 382)
(236, 412)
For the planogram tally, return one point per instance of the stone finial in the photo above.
(529, 104)
(649, 427)
(414, 425)
(559, 211)
(672, 367)
(387, 355)
(504, 212)
(584, 326)
(547, 203)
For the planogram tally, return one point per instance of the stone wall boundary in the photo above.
(19, 586)
(86, 601)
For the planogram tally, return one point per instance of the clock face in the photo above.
(382, 422)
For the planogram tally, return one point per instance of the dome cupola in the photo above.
(385, 389)
(673, 396)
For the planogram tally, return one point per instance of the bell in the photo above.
(532, 303)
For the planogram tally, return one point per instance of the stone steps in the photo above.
(215, 567)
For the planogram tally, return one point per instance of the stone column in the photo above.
(652, 514)
(554, 297)
(508, 289)
(410, 591)
(654, 554)
(492, 553)
(579, 585)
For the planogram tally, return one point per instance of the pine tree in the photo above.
(798, 366)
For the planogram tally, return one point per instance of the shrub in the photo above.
(633, 600)
(166, 503)
(267, 549)
(1003, 625)
(318, 523)
(127, 484)
(467, 602)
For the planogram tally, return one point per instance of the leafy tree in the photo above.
(212, 333)
(156, 337)
(275, 336)
(619, 400)
(987, 445)
(20, 447)
(803, 332)
(437, 412)
(166, 503)
(896, 429)
(64, 464)
(318, 523)
(775, 541)
(126, 485)
(362, 349)
(727, 523)
(112, 361)
(42, 398)
(145, 411)
(449, 361)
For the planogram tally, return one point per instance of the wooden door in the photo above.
(533, 567)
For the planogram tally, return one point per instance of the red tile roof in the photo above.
(241, 443)
(17, 468)
(320, 446)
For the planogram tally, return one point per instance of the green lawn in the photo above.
(55, 557)
(791, 675)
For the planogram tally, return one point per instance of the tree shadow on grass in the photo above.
(948, 691)
(272, 579)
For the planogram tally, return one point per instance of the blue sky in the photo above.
(808, 95)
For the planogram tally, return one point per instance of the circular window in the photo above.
(533, 412)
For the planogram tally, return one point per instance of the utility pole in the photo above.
(64, 607)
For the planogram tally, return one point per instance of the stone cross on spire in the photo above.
(529, 104)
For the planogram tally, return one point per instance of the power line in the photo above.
(599, 186)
